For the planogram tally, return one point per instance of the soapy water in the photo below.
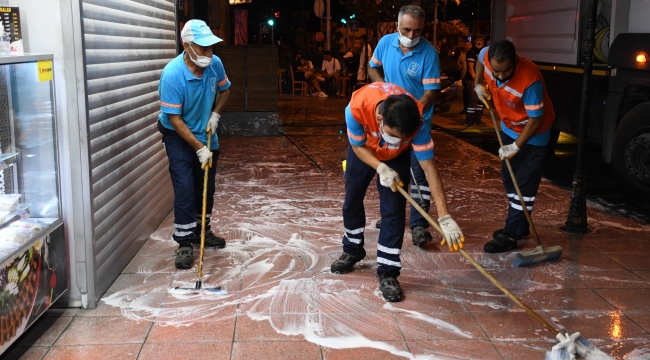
(283, 229)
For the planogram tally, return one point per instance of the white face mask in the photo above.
(387, 138)
(201, 61)
(407, 42)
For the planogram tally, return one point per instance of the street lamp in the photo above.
(271, 24)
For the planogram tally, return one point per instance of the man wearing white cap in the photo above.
(189, 86)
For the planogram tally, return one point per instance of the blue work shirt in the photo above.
(416, 71)
(533, 95)
(192, 98)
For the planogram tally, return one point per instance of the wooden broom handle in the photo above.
(478, 267)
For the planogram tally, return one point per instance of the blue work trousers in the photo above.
(392, 206)
(187, 180)
(527, 166)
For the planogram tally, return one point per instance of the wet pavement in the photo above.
(278, 204)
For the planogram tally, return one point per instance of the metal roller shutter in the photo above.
(127, 44)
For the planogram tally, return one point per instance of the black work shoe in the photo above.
(378, 224)
(211, 240)
(420, 236)
(184, 255)
(390, 289)
(503, 231)
(501, 243)
(345, 263)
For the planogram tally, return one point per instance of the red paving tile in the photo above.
(45, 331)
(636, 261)
(527, 349)
(141, 283)
(491, 300)
(25, 353)
(390, 350)
(641, 318)
(570, 299)
(511, 325)
(623, 349)
(94, 352)
(456, 326)
(103, 331)
(248, 329)
(272, 350)
(198, 331)
(615, 279)
(454, 349)
(626, 299)
(281, 218)
(598, 324)
(185, 351)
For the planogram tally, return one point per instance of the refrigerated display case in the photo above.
(32, 247)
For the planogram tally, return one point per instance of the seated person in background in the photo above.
(348, 75)
(303, 72)
(331, 67)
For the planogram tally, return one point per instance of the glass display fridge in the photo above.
(32, 247)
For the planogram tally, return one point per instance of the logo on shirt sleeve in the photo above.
(413, 69)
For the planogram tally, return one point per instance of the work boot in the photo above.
(390, 289)
(378, 224)
(500, 243)
(504, 231)
(184, 255)
(420, 236)
(345, 263)
(211, 240)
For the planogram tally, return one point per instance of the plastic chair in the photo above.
(301, 86)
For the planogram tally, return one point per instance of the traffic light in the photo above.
(270, 22)
(343, 21)
(353, 16)
(276, 14)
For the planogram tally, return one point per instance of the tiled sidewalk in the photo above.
(282, 220)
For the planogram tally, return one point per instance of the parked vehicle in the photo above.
(552, 33)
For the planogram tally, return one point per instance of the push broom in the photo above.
(198, 287)
(582, 345)
(540, 253)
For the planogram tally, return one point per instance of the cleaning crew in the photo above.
(402, 59)
(384, 123)
(194, 90)
(517, 89)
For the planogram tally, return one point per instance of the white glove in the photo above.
(453, 235)
(483, 94)
(388, 176)
(205, 157)
(567, 345)
(508, 151)
(213, 123)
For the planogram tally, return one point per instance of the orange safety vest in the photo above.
(507, 97)
(363, 104)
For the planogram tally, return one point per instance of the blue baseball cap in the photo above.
(198, 32)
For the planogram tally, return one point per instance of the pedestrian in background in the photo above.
(474, 106)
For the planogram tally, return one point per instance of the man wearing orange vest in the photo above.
(517, 89)
(384, 122)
